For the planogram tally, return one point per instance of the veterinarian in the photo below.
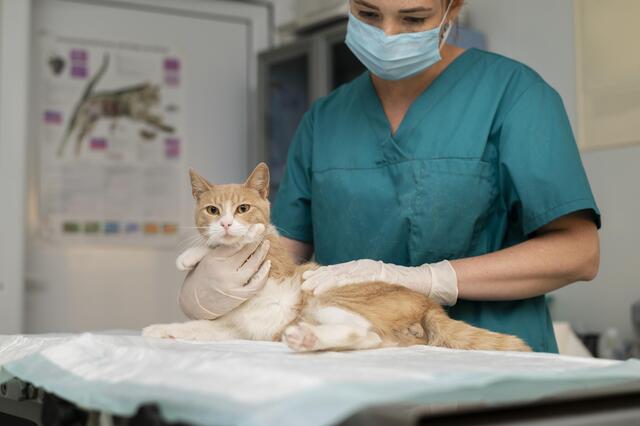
(452, 172)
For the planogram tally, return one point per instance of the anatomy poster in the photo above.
(111, 141)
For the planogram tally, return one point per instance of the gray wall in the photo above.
(541, 34)
(605, 302)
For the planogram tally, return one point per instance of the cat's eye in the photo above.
(212, 210)
(243, 208)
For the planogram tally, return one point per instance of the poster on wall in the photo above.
(608, 76)
(111, 141)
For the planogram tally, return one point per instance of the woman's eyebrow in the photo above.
(416, 9)
(364, 3)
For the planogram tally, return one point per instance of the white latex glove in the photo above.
(221, 279)
(437, 281)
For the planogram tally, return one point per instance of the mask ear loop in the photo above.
(448, 26)
(445, 35)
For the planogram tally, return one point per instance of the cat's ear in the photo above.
(199, 185)
(259, 180)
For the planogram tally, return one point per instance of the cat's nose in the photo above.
(225, 225)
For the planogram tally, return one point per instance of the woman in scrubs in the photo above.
(452, 172)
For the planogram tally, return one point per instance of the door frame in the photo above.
(15, 52)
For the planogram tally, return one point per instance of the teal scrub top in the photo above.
(483, 158)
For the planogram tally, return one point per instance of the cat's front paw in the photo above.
(162, 331)
(300, 337)
(183, 264)
(188, 260)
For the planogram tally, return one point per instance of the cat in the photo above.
(133, 102)
(351, 317)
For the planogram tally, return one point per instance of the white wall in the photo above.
(541, 34)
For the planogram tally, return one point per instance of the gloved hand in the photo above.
(223, 277)
(437, 281)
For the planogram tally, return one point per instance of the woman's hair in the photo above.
(457, 4)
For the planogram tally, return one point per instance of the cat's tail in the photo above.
(443, 331)
(88, 90)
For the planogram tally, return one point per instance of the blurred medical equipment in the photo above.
(612, 345)
(635, 321)
(568, 341)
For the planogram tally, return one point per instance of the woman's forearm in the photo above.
(563, 252)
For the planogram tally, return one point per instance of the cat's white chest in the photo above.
(268, 312)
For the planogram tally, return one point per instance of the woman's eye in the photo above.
(414, 20)
(243, 208)
(368, 15)
(212, 210)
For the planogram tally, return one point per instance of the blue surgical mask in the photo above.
(395, 57)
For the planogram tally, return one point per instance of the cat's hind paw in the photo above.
(300, 337)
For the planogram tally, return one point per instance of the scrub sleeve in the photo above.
(291, 212)
(542, 176)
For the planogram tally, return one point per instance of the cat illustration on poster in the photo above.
(132, 102)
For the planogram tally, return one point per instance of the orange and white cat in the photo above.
(356, 316)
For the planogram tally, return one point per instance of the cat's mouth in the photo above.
(234, 235)
(227, 238)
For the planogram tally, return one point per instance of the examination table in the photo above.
(111, 376)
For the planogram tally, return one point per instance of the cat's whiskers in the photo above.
(192, 241)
